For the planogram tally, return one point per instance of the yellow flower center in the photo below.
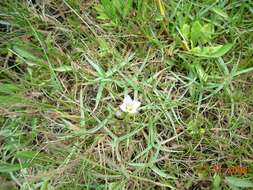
(129, 108)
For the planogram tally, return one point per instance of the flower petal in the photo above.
(136, 104)
(133, 111)
(123, 107)
(127, 100)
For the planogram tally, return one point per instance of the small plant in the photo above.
(114, 10)
(197, 40)
(195, 128)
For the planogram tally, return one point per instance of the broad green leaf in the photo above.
(127, 8)
(201, 72)
(9, 88)
(101, 13)
(207, 32)
(28, 155)
(82, 112)
(111, 7)
(193, 88)
(244, 71)
(161, 173)
(211, 51)
(11, 100)
(98, 127)
(96, 66)
(99, 94)
(117, 4)
(44, 185)
(196, 32)
(239, 182)
(103, 45)
(142, 165)
(115, 186)
(161, 7)
(63, 68)
(185, 31)
(107, 11)
(216, 182)
(220, 12)
(25, 54)
(5, 168)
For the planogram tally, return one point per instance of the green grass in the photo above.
(66, 65)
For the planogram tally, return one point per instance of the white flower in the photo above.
(129, 105)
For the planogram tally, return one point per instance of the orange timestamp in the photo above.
(230, 170)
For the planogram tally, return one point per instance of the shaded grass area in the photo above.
(67, 65)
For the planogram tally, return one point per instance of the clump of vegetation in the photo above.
(126, 94)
